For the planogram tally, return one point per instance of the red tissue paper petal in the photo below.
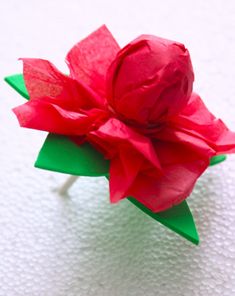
(124, 169)
(58, 103)
(195, 119)
(136, 106)
(130, 175)
(175, 185)
(90, 58)
(118, 134)
(43, 79)
(43, 114)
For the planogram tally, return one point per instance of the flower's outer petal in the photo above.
(43, 114)
(116, 134)
(123, 170)
(169, 190)
(43, 79)
(90, 58)
(173, 135)
(58, 104)
(197, 121)
(181, 169)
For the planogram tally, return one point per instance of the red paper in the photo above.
(136, 106)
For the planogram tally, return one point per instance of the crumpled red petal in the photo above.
(197, 121)
(174, 186)
(116, 133)
(43, 79)
(43, 114)
(181, 167)
(173, 134)
(124, 168)
(90, 58)
(58, 104)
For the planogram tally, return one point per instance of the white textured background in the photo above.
(81, 245)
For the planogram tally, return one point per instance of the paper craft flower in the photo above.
(134, 105)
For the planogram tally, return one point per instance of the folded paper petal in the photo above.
(165, 192)
(181, 169)
(173, 135)
(43, 114)
(117, 134)
(58, 103)
(90, 58)
(123, 170)
(43, 79)
(197, 121)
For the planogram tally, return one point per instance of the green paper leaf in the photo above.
(17, 82)
(60, 154)
(217, 159)
(178, 218)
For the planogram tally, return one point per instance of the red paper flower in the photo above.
(136, 106)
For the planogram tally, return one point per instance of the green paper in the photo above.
(17, 82)
(178, 218)
(62, 155)
(217, 159)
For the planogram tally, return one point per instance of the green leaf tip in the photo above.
(178, 218)
(217, 159)
(17, 82)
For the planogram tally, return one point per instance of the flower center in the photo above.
(149, 130)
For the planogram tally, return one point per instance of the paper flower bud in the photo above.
(150, 80)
